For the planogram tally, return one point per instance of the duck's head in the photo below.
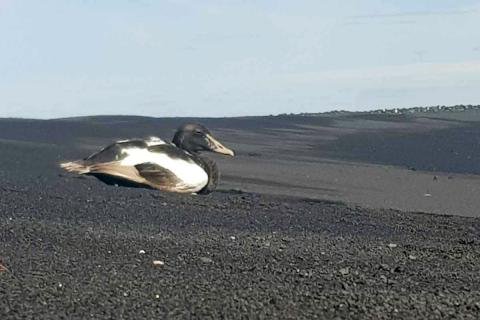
(195, 138)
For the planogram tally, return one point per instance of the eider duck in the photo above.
(152, 162)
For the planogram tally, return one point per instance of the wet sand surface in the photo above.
(337, 216)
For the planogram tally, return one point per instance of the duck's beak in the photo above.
(218, 147)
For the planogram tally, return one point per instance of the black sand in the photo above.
(76, 248)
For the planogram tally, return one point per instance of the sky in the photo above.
(214, 58)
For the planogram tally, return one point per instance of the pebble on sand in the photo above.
(345, 271)
(206, 260)
(158, 263)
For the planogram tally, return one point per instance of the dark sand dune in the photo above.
(416, 162)
(304, 224)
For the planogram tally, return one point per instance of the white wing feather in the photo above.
(190, 173)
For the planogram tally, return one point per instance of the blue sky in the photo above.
(63, 58)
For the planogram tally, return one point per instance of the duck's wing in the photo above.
(116, 150)
(108, 159)
(161, 178)
(115, 169)
(167, 167)
(149, 174)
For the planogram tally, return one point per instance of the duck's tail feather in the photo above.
(76, 166)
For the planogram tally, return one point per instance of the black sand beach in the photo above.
(340, 216)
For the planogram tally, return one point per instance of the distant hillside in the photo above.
(429, 109)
